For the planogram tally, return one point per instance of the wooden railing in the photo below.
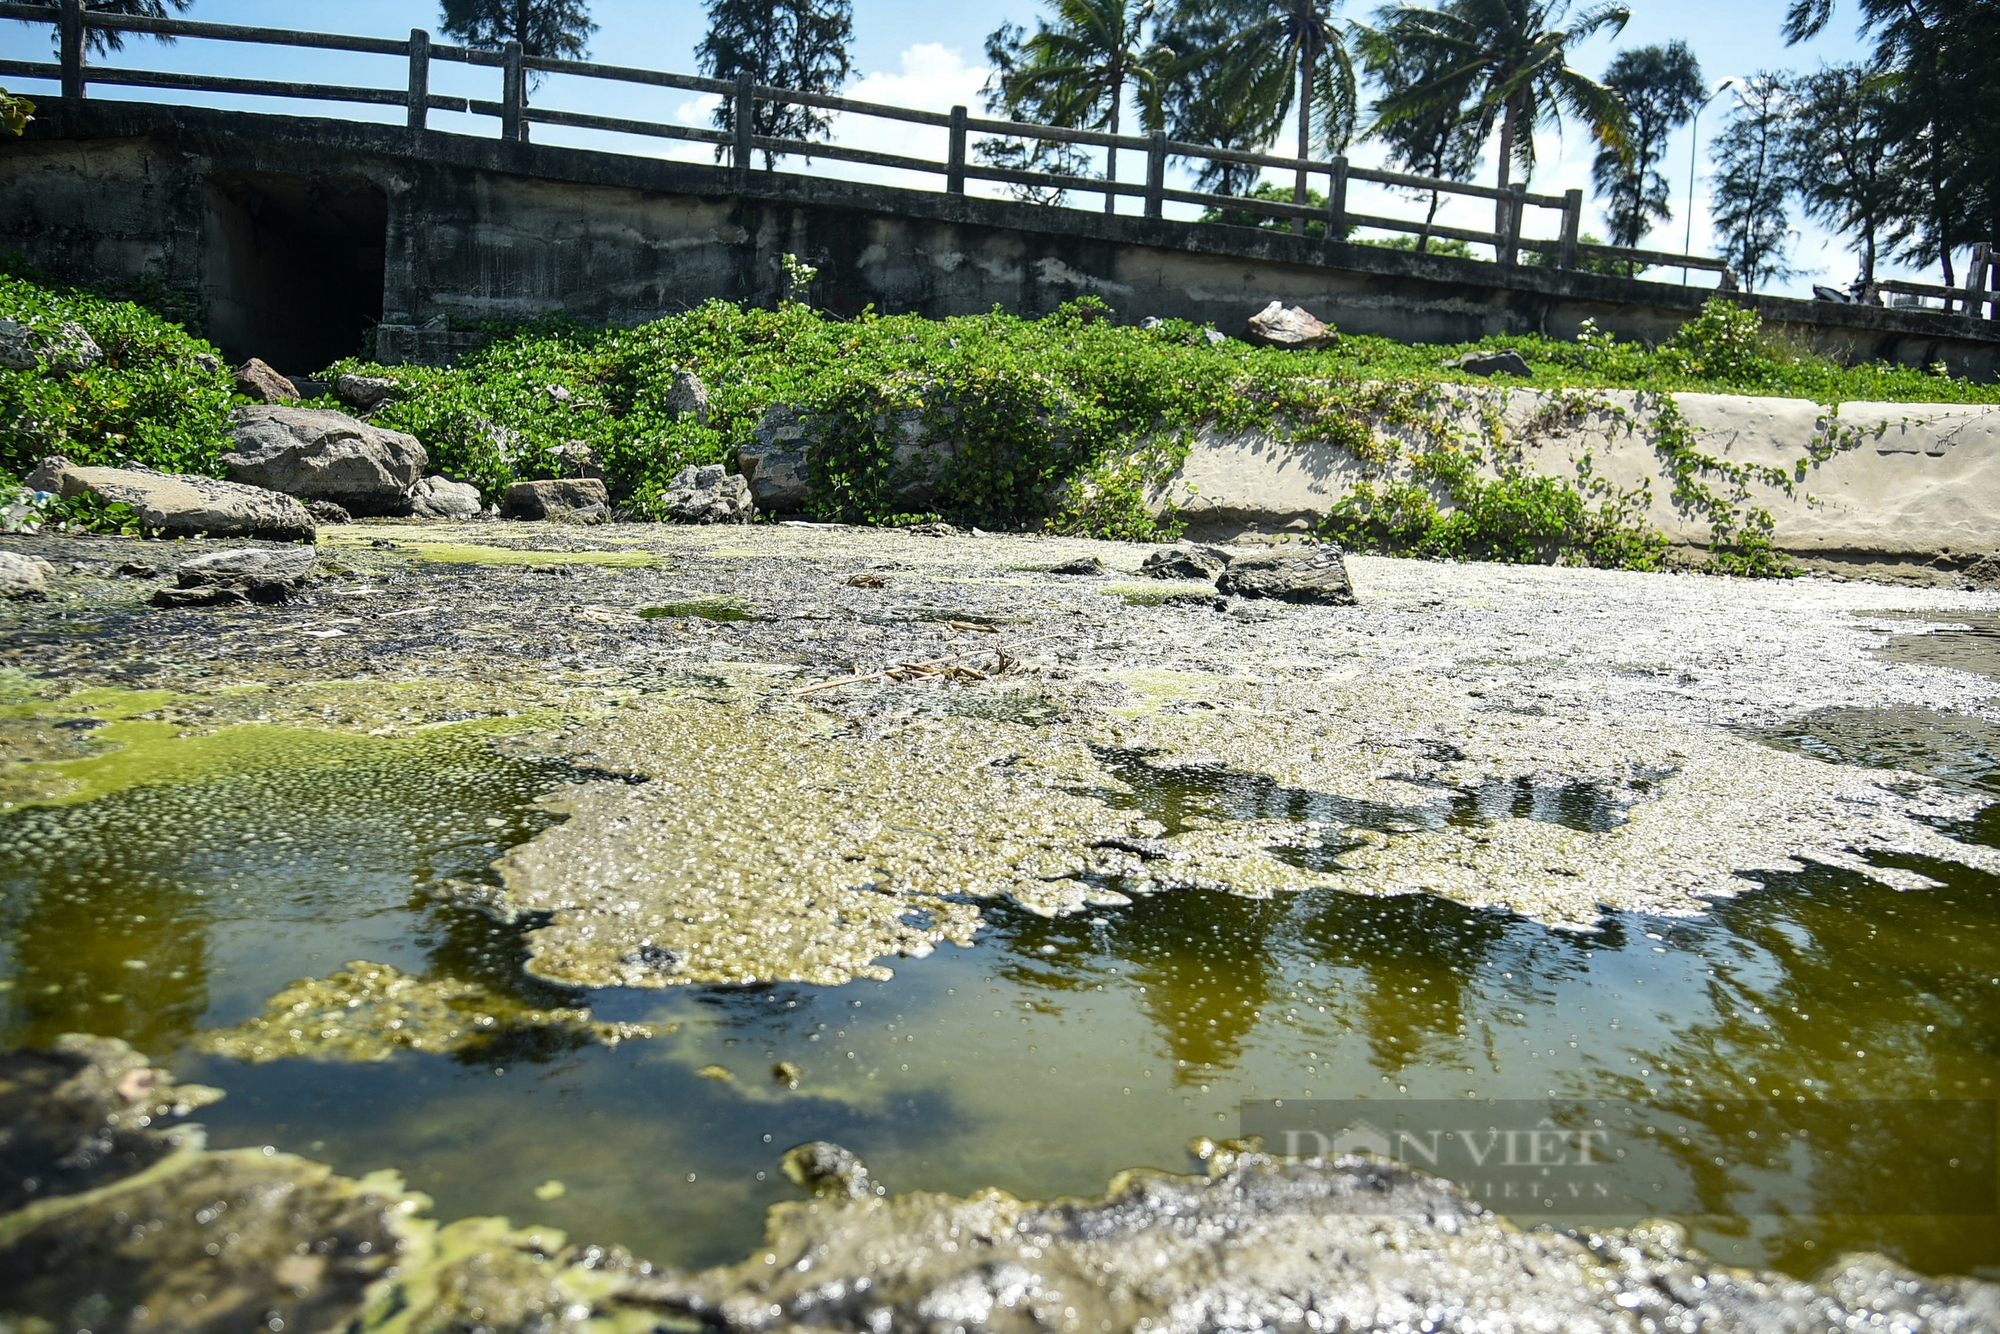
(1982, 285)
(516, 115)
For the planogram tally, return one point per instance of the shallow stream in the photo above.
(192, 877)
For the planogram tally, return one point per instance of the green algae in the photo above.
(464, 553)
(371, 1012)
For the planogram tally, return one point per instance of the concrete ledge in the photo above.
(1902, 485)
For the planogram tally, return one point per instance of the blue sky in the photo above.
(922, 53)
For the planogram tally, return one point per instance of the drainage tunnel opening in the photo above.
(294, 266)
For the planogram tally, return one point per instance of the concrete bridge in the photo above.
(300, 235)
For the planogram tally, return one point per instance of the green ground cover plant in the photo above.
(1069, 423)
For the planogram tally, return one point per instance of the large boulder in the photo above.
(1280, 325)
(442, 498)
(255, 379)
(24, 576)
(68, 348)
(175, 505)
(318, 454)
(777, 460)
(709, 494)
(1314, 574)
(572, 499)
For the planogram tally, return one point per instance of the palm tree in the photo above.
(1273, 57)
(1511, 58)
(1075, 72)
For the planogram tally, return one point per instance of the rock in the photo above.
(1215, 337)
(24, 576)
(209, 362)
(777, 460)
(138, 569)
(365, 392)
(1505, 362)
(1185, 563)
(267, 575)
(1081, 565)
(1314, 574)
(576, 499)
(829, 1171)
(69, 349)
(1280, 325)
(174, 505)
(256, 380)
(1356, 1244)
(318, 454)
(325, 511)
(442, 498)
(688, 397)
(577, 459)
(709, 494)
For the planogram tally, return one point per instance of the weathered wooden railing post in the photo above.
(1156, 174)
(1572, 227)
(954, 175)
(745, 118)
(1336, 200)
(512, 94)
(69, 26)
(1510, 237)
(420, 78)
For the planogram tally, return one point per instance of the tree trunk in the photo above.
(1111, 153)
(1306, 54)
(521, 23)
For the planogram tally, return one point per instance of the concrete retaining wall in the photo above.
(1906, 484)
(471, 229)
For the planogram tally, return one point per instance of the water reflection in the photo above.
(1042, 1059)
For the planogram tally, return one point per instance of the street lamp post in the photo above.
(1694, 156)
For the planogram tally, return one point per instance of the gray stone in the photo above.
(578, 459)
(777, 461)
(829, 1171)
(325, 511)
(442, 498)
(1185, 563)
(366, 392)
(1280, 325)
(1314, 574)
(1505, 362)
(1215, 337)
(265, 575)
(576, 499)
(317, 454)
(176, 505)
(24, 576)
(255, 379)
(70, 348)
(709, 494)
(688, 397)
(1086, 565)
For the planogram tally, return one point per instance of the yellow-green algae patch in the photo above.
(781, 844)
(466, 553)
(372, 1011)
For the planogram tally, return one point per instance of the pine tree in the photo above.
(1660, 87)
(1837, 149)
(99, 41)
(1751, 183)
(554, 29)
(796, 44)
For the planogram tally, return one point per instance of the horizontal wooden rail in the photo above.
(220, 32)
(1152, 153)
